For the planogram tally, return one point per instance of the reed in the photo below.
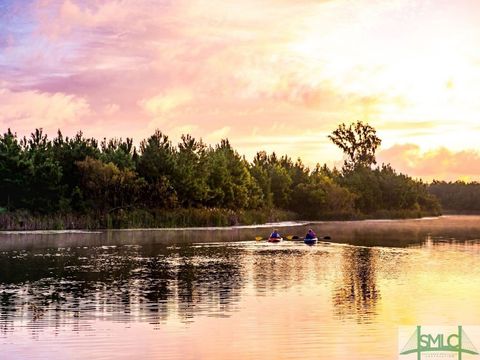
(142, 218)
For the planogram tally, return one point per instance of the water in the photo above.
(218, 294)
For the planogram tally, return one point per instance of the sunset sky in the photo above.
(277, 75)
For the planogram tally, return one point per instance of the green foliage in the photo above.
(190, 174)
(14, 169)
(321, 197)
(359, 142)
(281, 183)
(380, 189)
(364, 183)
(229, 181)
(398, 191)
(383, 189)
(260, 174)
(118, 152)
(44, 188)
(108, 187)
(67, 152)
(457, 196)
(157, 157)
(73, 182)
(273, 178)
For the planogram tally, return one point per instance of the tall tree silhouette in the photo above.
(359, 142)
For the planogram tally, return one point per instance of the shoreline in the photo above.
(280, 224)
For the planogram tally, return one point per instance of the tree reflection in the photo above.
(124, 283)
(155, 282)
(274, 270)
(357, 294)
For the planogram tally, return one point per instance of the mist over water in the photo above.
(218, 293)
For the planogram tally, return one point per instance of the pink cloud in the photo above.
(231, 60)
(26, 110)
(440, 163)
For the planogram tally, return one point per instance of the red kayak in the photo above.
(275, 240)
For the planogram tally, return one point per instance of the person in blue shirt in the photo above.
(310, 234)
(275, 234)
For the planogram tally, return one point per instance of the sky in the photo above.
(274, 75)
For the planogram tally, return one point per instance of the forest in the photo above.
(458, 196)
(79, 182)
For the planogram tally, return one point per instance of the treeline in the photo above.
(81, 182)
(458, 196)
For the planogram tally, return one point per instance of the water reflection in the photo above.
(269, 300)
(123, 283)
(274, 269)
(153, 283)
(357, 294)
(158, 282)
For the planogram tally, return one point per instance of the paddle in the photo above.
(290, 237)
(296, 237)
(259, 238)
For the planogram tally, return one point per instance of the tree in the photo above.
(44, 187)
(157, 157)
(359, 142)
(230, 183)
(274, 177)
(259, 172)
(119, 152)
(14, 172)
(364, 183)
(190, 172)
(457, 196)
(67, 151)
(281, 184)
(107, 187)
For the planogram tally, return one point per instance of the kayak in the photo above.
(310, 241)
(274, 240)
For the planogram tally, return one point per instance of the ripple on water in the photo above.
(235, 300)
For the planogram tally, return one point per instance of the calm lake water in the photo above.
(218, 294)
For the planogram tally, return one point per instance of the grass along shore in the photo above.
(140, 218)
(190, 217)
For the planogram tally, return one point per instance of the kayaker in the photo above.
(310, 234)
(275, 234)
